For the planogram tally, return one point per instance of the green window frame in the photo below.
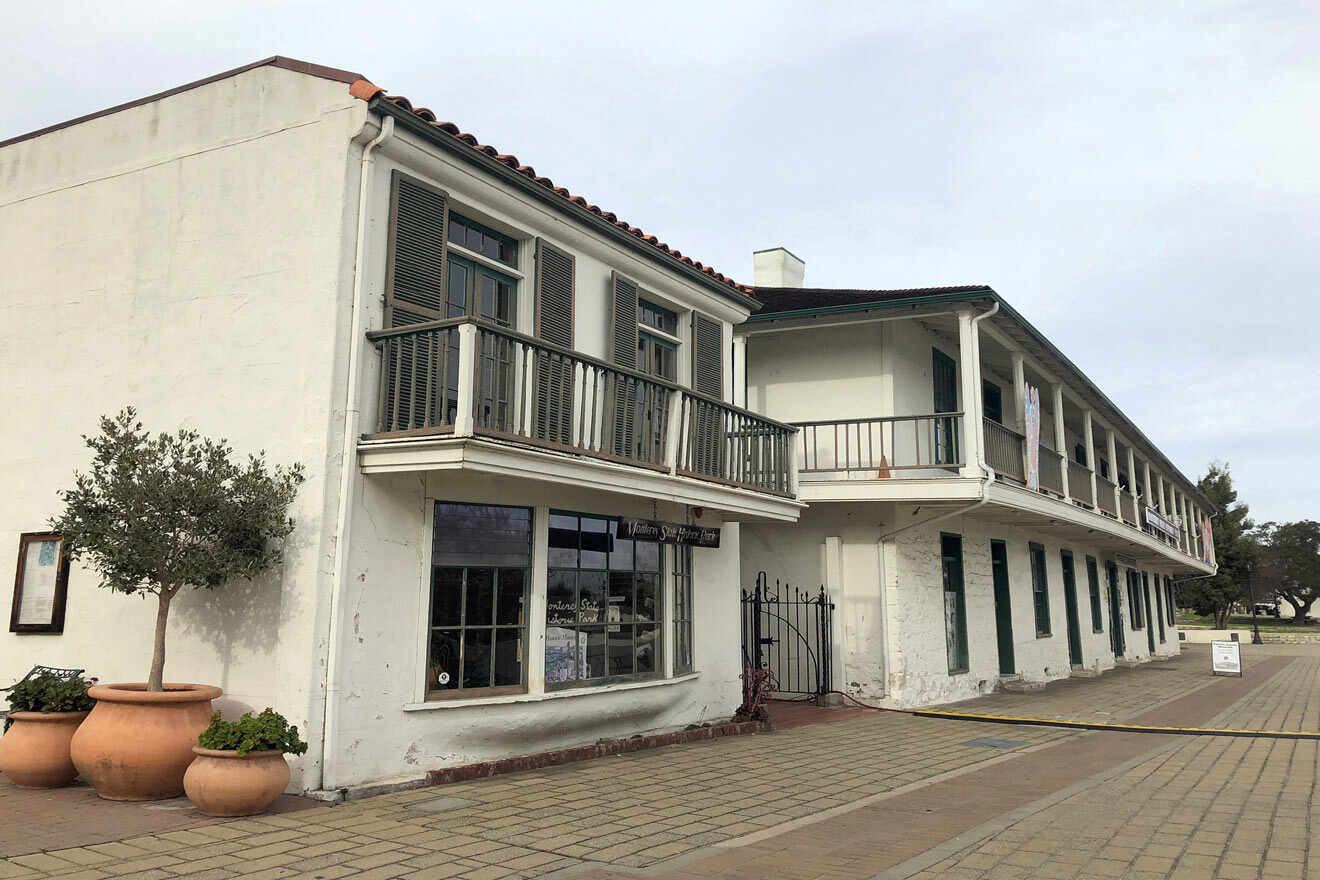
(955, 602)
(1159, 606)
(683, 655)
(1093, 583)
(1168, 600)
(604, 604)
(1040, 589)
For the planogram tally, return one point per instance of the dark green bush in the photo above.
(267, 732)
(46, 692)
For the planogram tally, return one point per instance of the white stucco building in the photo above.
(950, 575)
(471, 576)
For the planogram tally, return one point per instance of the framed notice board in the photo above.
(40, 585)
(1226, 658)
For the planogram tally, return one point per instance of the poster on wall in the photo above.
(1207, 543)
(41, 584)
(1032, 418)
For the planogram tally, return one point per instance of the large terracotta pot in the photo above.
(225, 783)
(35, 751)
(136, 745)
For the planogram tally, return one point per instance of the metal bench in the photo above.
(33, 673)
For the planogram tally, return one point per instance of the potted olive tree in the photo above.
(45, 710)
(153, 516)
(240, 768)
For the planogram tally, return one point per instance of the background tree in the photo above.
(156, 515)
(1236, 548)
(1290, 564)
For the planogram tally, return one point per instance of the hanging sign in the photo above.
(1160, 523)
(1226, 658)
(1207, 543)
(1032, 419)
(669, 532)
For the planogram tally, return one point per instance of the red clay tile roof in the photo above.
(366, 91)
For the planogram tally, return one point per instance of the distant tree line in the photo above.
(1260, 562)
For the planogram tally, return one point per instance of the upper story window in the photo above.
(657, 352)
(992, 401)
(482, 239)
(477, 290)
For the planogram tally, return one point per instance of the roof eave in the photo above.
(460, 150)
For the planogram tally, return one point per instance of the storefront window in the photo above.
(602, 604)
(682, 610)
(480, 574)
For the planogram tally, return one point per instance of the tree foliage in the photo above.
(1236, 549)
(156, 514)
(1290, 564)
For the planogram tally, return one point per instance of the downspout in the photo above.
(348, 456)
(987, 477)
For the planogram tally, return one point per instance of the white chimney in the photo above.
(777, 267)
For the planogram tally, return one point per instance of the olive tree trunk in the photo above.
(156, 680)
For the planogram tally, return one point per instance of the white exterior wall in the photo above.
(188, 257)
(893, 644)
(385, 728)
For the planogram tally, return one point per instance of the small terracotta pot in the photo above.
(35, 751)
(136, 745)
(225, 783)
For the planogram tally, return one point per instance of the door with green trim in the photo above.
(944, 377)
(1003, 607)
(1070, 605)
(1115, 610)
(1150, 627)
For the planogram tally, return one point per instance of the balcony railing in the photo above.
(1079, 483)
(1104, 488)
(1051, 471)
(880, 445)
(468, 377)
(1003, 450)
(1129, 508)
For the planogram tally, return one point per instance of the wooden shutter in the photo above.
(622, 417)
(554, 324)
(707, 356)
(623, 321)
(415, 278)
(415, 273)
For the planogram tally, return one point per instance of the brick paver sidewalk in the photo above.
(681, 806)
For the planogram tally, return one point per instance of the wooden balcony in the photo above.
(468, 378)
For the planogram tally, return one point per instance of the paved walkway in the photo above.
(878, 792)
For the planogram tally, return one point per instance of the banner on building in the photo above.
(669, 532)
(1207, 543)
(1032, 419)
(1162, 524)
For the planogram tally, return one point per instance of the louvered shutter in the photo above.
(707, 424)
(414, 292)
(623, 397)
(554, 324)
(707, 356)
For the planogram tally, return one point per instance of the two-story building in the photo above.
(980, 513)
(497, 388)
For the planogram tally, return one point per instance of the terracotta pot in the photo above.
(136, 745)
(35, 751)
(225, 783)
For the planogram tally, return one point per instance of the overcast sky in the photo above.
(1140, 180)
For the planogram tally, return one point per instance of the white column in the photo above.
(1132, 483)
(968, 355)
(1061, 439)
(1145, 484)
(464, 419)
(1088, 430)
(536, 599)
(1159, 504)
(836, 588)
(1019, 393)
(1112, 448)
(740, 371)
(1186, 523)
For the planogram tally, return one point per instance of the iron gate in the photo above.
(788, 631)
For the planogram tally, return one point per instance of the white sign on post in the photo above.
(1226, 658)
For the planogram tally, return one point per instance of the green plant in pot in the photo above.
(153, 516)
(240, 768)
(46, 710)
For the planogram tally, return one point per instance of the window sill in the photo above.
(548, 695)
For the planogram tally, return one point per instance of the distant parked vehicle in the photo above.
(1270, 609)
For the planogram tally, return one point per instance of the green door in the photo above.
(1003, 607)
(1150, 629)
(944, 377)
(955, 603)
(1070, 603)
(1115, 610)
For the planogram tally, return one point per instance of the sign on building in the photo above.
(1226, 658)
(669, 532)
(1161, 523)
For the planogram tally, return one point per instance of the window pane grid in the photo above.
(683, 662)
